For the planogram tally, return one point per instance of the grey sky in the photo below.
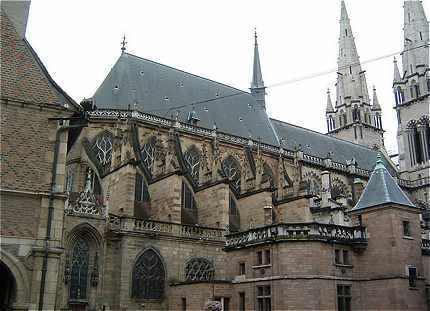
(79, 42)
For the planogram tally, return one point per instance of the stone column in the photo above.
(423, 140)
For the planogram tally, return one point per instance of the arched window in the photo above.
(148, 153)
(189, 212)
(344, 119)
(102, 149)
(399, 96)
(192, 161)
(142, 199)
(267, 175)
(79, 270)
(418, 147)
(231, 169)
(414, 89)
(199, 269)
(356, 114)
(234, 218)
(148, 276)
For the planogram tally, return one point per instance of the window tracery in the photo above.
(192, 161)
(231, 169)
(199, 269)
(102, 148)
(148, 153)
(148, 276)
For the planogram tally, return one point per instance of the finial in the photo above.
(123, 43)
(395, 60)
(255, 35)
(379, 162)
(328, 91)
(374, 88)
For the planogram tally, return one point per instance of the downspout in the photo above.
(51, 207)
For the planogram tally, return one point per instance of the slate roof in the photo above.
(382, 189)
(319, 145)
(159, 89)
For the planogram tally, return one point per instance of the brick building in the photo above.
(118, 204)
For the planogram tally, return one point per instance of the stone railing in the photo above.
(299, 231)
(414, 183)
(129, 224)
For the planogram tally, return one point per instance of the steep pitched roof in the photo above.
(320, 145)
(165, 91)
(24, 77)
(382, 189)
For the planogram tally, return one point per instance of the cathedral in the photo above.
(149, 196)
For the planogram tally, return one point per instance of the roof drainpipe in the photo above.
(51, 207)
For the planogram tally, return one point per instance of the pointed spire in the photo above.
(257, 77)
(382, 189)
(343, 12)
(397, 77)
(376, 105)
(329, 108)
(258, 90)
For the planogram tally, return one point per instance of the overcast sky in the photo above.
(79, 42)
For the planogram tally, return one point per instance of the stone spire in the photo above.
(351, 81)
(416, 37)
(329, 108)
(376, 105)
(397, 78)
(258, 90)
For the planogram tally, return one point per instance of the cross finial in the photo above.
(123, 43)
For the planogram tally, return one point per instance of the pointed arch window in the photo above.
(148, 276)
(148, 153)
(356, 114)
(399, 96)
(79, 270)
(102, 148)
(192, 162)
(231, 169)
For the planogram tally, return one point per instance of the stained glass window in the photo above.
(199, 269)
(148, 276)
(192, 161)
(79, 270)
(231, 169)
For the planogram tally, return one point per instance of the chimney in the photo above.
(17, 11)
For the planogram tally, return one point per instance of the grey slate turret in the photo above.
(382, 189)
(329, 108)
(258, 90)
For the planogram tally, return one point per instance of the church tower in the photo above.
(353, 118)
(258, 90)
(411, 87)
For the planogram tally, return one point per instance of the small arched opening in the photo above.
(8, 288)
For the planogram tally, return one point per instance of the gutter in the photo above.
(51, 206)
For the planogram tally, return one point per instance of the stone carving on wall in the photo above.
(199, 269)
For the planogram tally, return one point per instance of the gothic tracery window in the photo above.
(148, 153)
(192, 161)
(231, 169)
(102, 148)
(148, 276)
(79, 270)
(199, 269)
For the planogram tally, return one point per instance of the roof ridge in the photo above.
(325, 135)
(186, 72)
